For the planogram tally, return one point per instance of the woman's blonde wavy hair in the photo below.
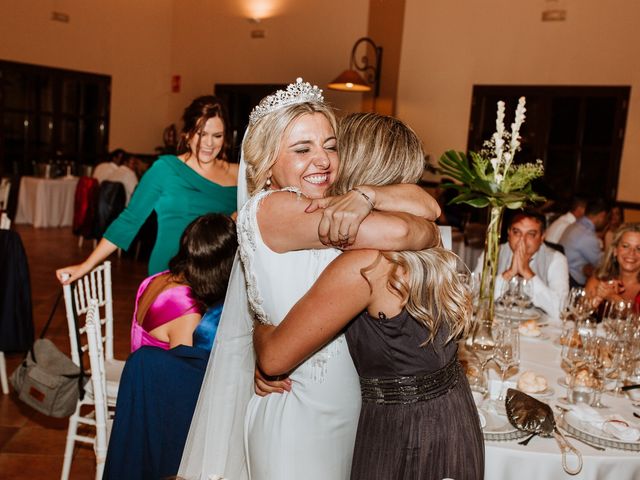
(261, 144)
(376, 149)
(609, 268)
(381, 150)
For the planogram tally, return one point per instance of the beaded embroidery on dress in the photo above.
(248, 235)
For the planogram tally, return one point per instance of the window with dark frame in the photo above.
(51, 115)
(577, 131)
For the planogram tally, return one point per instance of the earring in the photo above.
(267, 184)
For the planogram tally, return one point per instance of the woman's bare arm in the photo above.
(71, 273)
(318, 316)
(285, 226)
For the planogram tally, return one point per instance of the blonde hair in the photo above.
(376, 150)
(430, 289)
(609, 268)
(261, 144)
(381, 150)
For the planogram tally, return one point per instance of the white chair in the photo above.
(3, 374)
(98, 417)
(95, 285)
(5, 224)
(5, 188)
(5, 221)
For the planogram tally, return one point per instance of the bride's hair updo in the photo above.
(261, 144)
(380, 150)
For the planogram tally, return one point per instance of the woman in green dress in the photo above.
(178, 188)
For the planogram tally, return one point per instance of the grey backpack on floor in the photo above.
(47, 380)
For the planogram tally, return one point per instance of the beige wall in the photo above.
(129, 40)
(303, 38)
(450, 45)
(142, 43)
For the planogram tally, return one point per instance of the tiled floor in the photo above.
(31, 444)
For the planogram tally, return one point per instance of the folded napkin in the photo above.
(614, 425)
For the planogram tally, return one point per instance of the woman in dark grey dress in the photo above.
(418, 419)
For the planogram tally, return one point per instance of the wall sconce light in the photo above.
(351, 81)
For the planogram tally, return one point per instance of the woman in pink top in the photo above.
(170, 304)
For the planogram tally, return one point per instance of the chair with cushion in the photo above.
(98, 416)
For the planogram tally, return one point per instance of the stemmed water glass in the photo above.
(621, 362)
(524, 294)
(602, 364)
(506, 352)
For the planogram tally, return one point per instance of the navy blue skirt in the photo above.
(156, 399)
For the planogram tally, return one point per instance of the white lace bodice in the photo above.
(276, 281)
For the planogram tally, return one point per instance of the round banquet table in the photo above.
(46, 202)
(541, 458)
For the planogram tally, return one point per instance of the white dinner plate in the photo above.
(497, 427)
(590, 433)
(547, 392)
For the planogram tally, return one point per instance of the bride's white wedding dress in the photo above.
(308, 432)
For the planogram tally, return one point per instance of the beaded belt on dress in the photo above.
(411, 389)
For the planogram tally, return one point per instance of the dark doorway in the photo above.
(576, 131)
(240, 100)
(51, 115)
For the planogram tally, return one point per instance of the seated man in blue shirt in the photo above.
(581, 245)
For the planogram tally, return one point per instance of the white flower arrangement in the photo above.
(491, 177)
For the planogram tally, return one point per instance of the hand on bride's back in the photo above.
(341, 217)
(264, 385)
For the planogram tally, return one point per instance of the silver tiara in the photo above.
(298, 92)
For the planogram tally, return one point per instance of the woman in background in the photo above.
(162, 377)
(170, 304)
(618, 276)
(178, 188)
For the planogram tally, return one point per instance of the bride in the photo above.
(307, 432)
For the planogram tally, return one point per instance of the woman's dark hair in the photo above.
(207, 248)
(194, 118)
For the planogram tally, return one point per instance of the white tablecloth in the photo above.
(45, 202)
(541, 458)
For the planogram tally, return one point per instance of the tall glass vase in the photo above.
(490, 266)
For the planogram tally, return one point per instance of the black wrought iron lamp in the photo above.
(351, 81)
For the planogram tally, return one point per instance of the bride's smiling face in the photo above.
(308, 156)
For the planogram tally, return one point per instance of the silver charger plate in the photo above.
(572, 424)
(498, 428)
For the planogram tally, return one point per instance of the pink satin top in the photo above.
(170, 304)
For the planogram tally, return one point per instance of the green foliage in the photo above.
(478, 186)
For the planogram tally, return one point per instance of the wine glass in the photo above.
(602, 364)
(483, 343)
(524, 296)
(474, 288)
(506, 352)
(572, 353)
(621, 363)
